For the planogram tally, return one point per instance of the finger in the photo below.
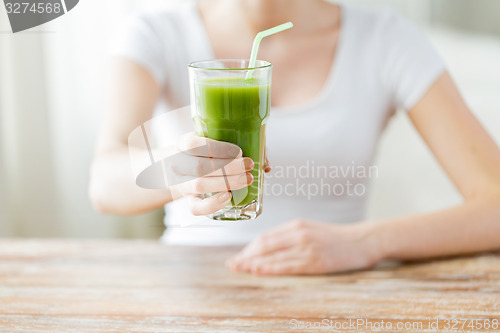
(255, 263)
(288, 262)
(195, 145)
(267, 264)
(265, 245)
(204, 185)
(196, 166)
(284, 235)
(289, 267)
(210, 205)
(267, 165)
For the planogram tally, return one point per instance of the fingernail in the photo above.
(225, 196)
(267, 169)
(246, 179)
(248, 164)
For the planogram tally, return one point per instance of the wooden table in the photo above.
(143, 286)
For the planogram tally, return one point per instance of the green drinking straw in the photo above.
(258, 39)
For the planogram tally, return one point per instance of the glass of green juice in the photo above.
(230, 102)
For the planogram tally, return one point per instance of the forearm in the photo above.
(471, 227)
(113, 189)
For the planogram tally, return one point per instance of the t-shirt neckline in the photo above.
(328, 86)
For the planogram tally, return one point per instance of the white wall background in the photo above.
(52, 83)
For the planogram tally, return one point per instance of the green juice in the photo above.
(235, 110)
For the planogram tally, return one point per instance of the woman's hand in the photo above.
(306, 247)
(203, 166)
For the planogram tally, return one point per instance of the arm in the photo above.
(472, 161)
(132, 98)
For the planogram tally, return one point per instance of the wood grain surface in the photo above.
(144, 286)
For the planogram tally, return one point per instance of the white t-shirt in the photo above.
(321, 151)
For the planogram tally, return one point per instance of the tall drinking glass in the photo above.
(230, 102)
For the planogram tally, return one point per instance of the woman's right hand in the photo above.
(206, 166)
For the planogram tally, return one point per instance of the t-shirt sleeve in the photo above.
(137, 39)
(409, 62)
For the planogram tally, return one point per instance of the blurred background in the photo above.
(52, 89)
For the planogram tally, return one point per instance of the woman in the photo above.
(338, 76)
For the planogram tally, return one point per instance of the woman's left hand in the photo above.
(306, 247)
